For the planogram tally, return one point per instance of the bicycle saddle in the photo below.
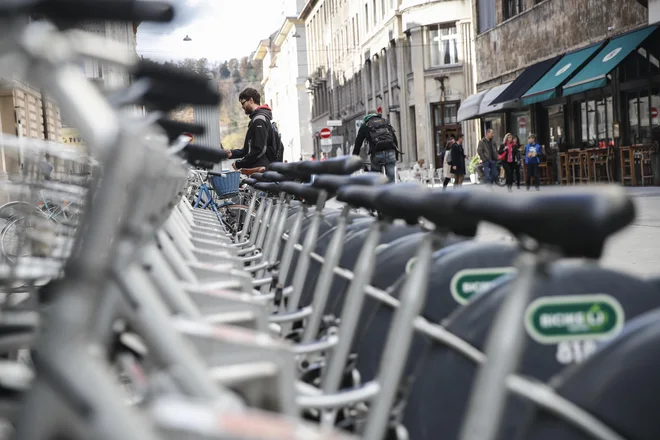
(332, 183)
(361, 196)
(250, 181)
(251, 171)
(269, 187)
(174, 129)
(439, 207)
(258, 176)
(394, 202)
(195, 153)
(289, 169)
(76, 10)
(304, 192)
(577, 221)
(337, 165)
(274, 176)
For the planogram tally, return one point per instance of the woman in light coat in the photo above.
(446, 168)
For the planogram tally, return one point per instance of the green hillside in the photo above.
(233, 76)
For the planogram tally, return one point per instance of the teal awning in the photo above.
(546, 87)
(594, 74)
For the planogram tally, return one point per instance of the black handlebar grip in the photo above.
(198, 153)
(174, 129)
(111, 10)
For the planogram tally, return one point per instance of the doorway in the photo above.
(445, 125)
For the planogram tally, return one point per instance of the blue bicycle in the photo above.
(219, 192)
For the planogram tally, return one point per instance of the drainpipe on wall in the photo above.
(402, 84)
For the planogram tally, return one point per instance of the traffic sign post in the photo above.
(325, 133)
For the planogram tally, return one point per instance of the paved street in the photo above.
(634, 250)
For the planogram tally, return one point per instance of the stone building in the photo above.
(411, 58)
(285, 61)
(575, 74)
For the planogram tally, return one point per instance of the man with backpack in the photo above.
(263, 144)
(383, 145)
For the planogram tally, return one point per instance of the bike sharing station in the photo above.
(241, 306)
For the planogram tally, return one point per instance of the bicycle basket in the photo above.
(226, 184)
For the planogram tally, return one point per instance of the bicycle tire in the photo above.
(233, 225)
(3, 234)
(13, 204)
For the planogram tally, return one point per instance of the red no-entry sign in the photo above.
(654, 112)
(325, 133)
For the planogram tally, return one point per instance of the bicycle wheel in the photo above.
(12, 238)
(232, 216)
(17, 208)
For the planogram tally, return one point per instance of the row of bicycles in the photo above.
(148, 313)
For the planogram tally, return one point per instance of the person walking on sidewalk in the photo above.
(458, 161)
(487, 151)
(516, 157)
(533, 153)
(507, 154)
(446, 166)
(383, 145)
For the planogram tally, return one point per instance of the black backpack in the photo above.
(274, 146)
(381, 135)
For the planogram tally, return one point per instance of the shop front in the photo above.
(594, 110)
(445, 126)
(493, 116)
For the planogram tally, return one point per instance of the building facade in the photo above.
(578, 76)
(105, 76)
(284, 59)
(411, 58)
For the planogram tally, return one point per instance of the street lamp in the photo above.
(187, 38)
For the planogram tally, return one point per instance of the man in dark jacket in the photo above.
(254, 151)
(487, 151)
(384, 149)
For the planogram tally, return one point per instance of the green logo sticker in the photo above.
(555, 319)
(381, 247)
(468, 282)
(410, 264)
